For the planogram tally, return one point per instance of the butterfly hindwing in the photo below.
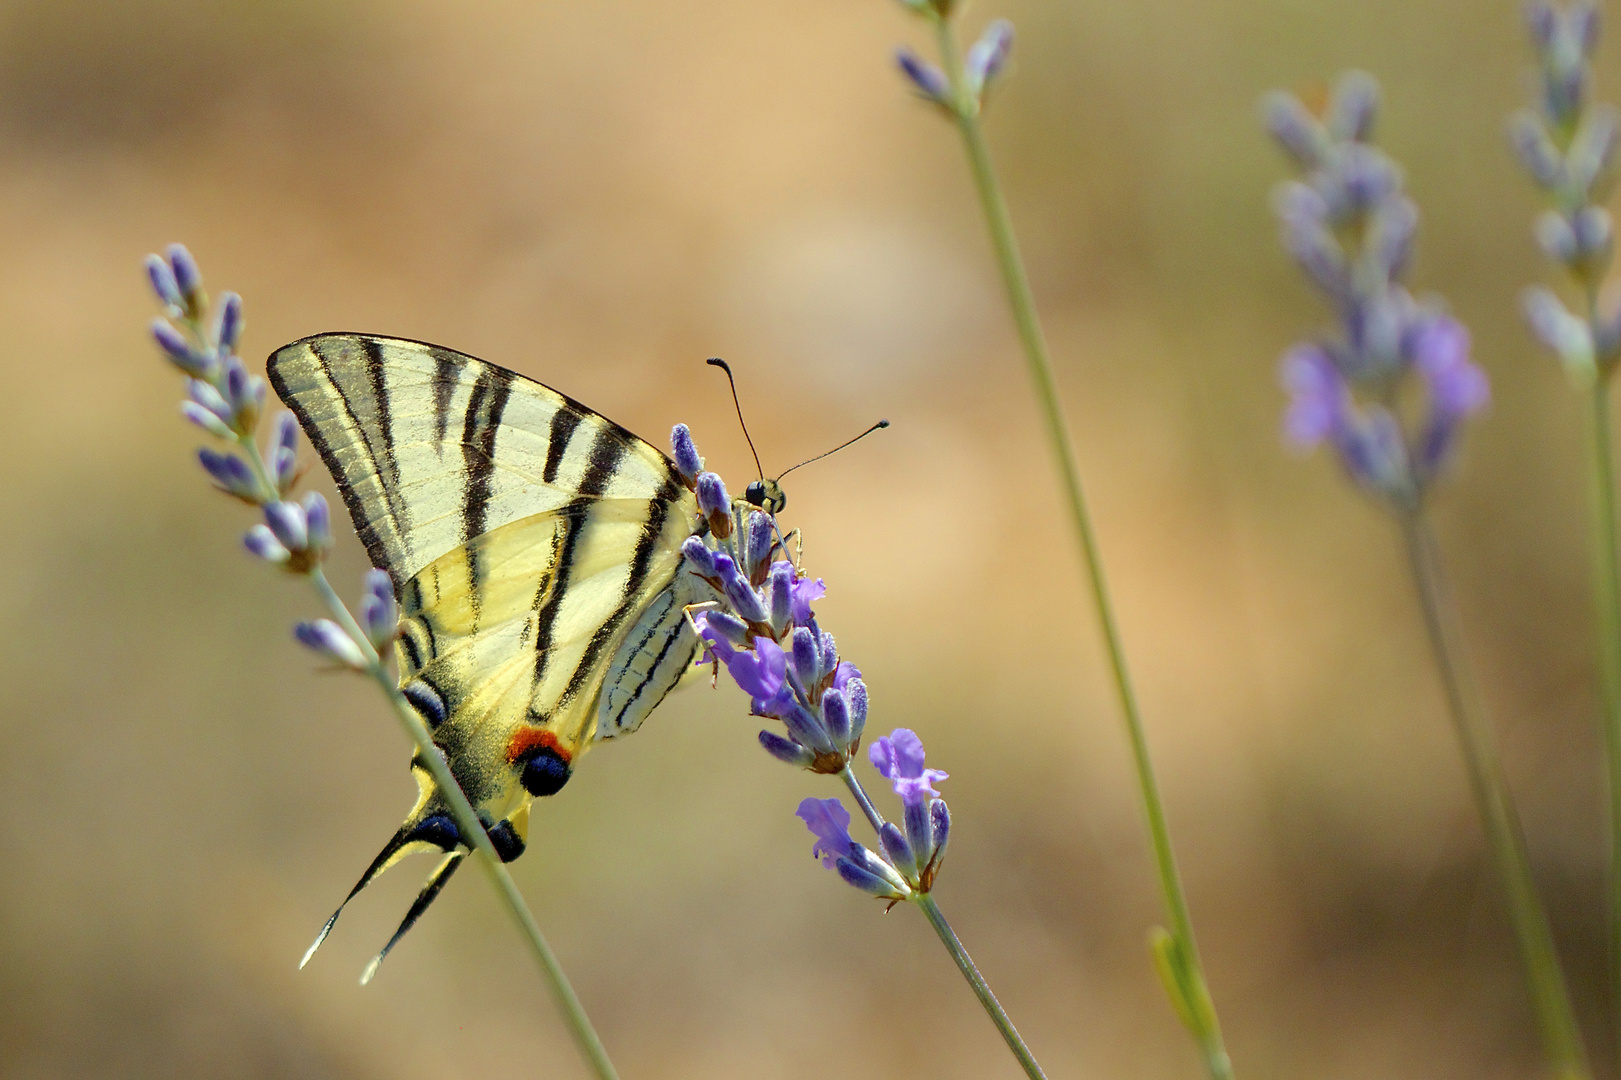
(535, 547)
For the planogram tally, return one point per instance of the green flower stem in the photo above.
(965, 963)
(579, 1024)
(965, 111)
(982, 990)
(1549, 999)
(1606, 555)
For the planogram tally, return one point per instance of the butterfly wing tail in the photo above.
(430, 890)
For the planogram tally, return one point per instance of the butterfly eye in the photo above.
(545, 773)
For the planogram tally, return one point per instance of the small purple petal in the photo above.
(730, 627)
(1319, 398)
(805, 593)
(845, 674)
(867, 882)
(806, 663)
(836, 715)
(988, 55)
(856, 692)
(686, 452)
(1534, 146)
(898, 757)
(1296, 130)
(1441, 355)
(204, 394)
(228, 471)
(1356, 102)
(940, 826)
(179, 350)
(830, 822)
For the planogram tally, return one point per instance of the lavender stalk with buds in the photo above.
(764, 632)
(1567, 145)
(227, 402)
(1389, 390)
(959, 88)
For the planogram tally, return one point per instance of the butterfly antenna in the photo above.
(836, 449)
(715, 361)
(436, 881)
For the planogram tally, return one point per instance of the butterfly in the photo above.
(535, 551)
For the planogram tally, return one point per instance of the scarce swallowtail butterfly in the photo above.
(535, 550)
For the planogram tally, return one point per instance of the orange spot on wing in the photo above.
(525, 741)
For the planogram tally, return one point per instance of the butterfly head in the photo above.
(767, 495)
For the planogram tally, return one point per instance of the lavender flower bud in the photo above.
(836, 715)
(1556, 238)
(204, 394)
(1390, 242)
(786, 750)
(940, 823)
(827, 655)
(180, 352)
(901, 854)
(1307, 236)
(327, 638)
(379, 614)
(1356, 101)
(872, 864)
(230, 472)
(1535, 148)
(727, 626)
(318, 522)
(686, 453)
(205, 419)
(700, 560)
(228, 323)
(757, 545)
(1584, 22)
(287, 521)
(806, 661)
(926, 79)
(1542, 21)
(163, 282)
(1296, 130)
(856, 692)
(1592, 151)
(781, 594)
(919, 831)
(743, 599)
(263, 543)
(1593, 232)
(868, 882)
(987, 56)
(1567, 336)
(712, 497)
(188, 279)
(806, 729)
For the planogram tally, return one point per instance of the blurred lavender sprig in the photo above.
(1389, 387)
(1350, 227)
(763, 629)
(226, 401)
(959, 87)
(1567, 144)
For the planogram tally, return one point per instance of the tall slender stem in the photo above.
(982, 989)
(965, 111)
(1549, 999)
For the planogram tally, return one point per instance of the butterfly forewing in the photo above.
(535, 547)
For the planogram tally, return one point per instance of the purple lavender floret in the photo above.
(928, 80)
(1350, 227)
(829, 821)
(898, 757)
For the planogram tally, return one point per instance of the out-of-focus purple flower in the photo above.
(898, 757)
(1565, 335)
(1355, 104)
(928, 80)
(161, 275)
(287, 521)
(1296, 130)
(327, 638)
(193, 361)
(231, 473)
(1441, 355)
(283, 452)
(263, 543)
(188, 279)
(686, 453)
(988, 56)
(379, 613)
(1318, 397)
(228, 322)
(318, 520)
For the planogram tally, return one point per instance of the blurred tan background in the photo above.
(601, 195)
